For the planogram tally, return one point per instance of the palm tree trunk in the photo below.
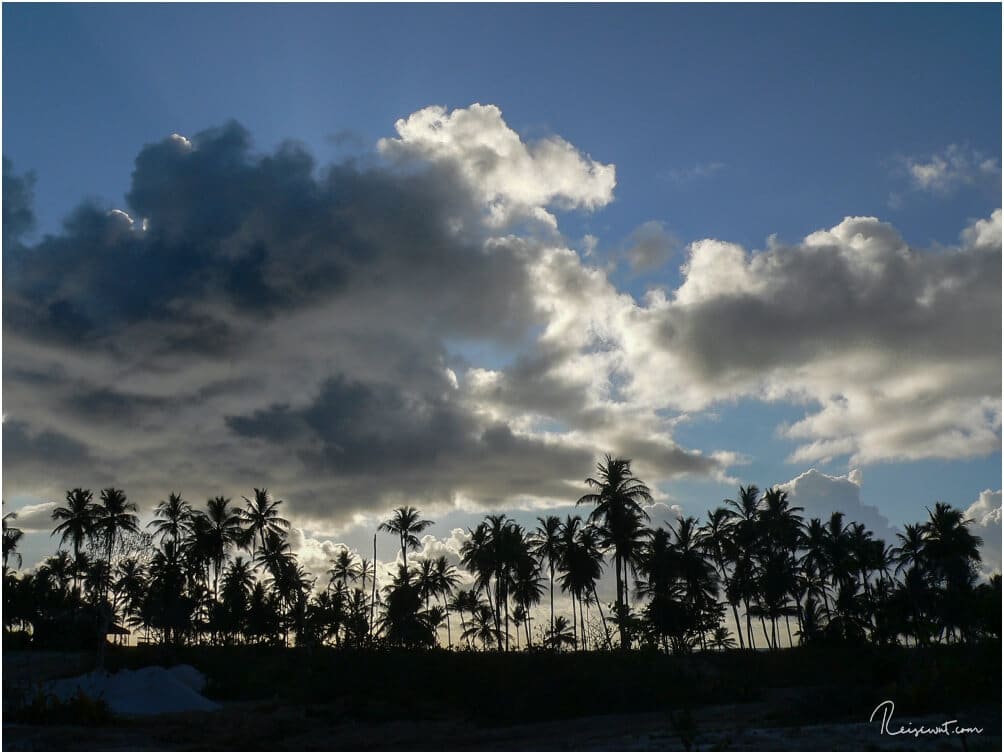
(621, 608)
(449, 634)
(575, 632)
(550, 563)
(373, 597)
(585, 637)
(606, 631)
(749, 625)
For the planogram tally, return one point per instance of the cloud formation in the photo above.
(514, 179)
(952, 168)
(985, 513)
(260, 320)
(822, 494)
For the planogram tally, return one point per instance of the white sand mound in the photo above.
(147, 691)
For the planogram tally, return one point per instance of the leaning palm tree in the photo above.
(261, 516)
(77, 521)
(405, 524)
(617, 507)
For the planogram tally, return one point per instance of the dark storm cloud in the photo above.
(352, 426)
(261, 235)
(18, 198)
(257, 320)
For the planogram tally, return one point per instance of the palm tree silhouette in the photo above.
(174, 518)
(715, 538)
(617, 506)
(344, 568)
(77, 518)
(225, 532)
(546, 543)
(114, 515)
(405, 524)
(11, 537)
(561, 636)
(261, 516)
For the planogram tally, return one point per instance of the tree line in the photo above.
(226, 574)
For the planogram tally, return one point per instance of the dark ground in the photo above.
(814, 699)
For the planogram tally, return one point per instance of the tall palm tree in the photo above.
(715, 538)
(745, 532)
(527, 591)
(261, 515)
(114, 515)
(617, 506)
(444, 580)
(225, 531)
(77, 518)
(11, 537)
(406, 523)
(547, 544)
(174, 518)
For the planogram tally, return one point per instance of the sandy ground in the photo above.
(273, 726)
(768, 724)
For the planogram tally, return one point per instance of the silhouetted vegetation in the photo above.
(225, 575)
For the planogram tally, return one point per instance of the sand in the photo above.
(147, 691)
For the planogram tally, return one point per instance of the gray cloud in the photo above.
(900, 347)
(18, 199)
(255, 319)
(650, 246)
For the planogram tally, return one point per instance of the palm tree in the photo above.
(114, 515)
(11, 536)
(547, 544)
(617, 505)
(582, 566)
(949, 547)
(261, 516)
(174, 518)
(344, 568)
(715, 538)
(225, 531)
(482, 628)
(721, 640)
(745, 533)
(561, 636)
(77, 519)
(527, 591)
(465, 601)
(405, 524)
(444, 580)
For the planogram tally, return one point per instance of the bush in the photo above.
(42, 708)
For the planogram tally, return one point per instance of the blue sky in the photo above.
(724, 122)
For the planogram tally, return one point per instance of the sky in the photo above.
(448, 256)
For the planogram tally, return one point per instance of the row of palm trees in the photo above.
(226, 574)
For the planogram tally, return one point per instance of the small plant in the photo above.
(44, 708)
